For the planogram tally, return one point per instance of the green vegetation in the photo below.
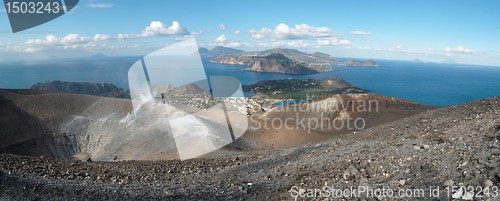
(302, 88)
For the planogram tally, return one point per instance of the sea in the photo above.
(436, 84)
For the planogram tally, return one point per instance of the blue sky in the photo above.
(437, 31)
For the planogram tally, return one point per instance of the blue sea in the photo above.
(429, 83)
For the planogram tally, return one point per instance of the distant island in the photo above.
(449, 61)
(280, 60)
(99, 55)
(358, 63)
(218, 51)
(279, 63)
(87, 88)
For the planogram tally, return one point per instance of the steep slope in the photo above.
(62, 124)
(10, 115)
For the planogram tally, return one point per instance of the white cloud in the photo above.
(195, 33)
(70, 41)
(345, 42)
(51, 40)
(222, 27)
(323, 35)
(298, 43)
(185, 37)
(100, 5)
(237, 44)
(333, 41)
(157, 28)
(236, 32)
(295, 43)
(460, 50)
(101, 37)
(124, 36)
(361, 33)
(365, 48)
(233, 44)
(96, 42)
(221, 39)
(399, 46)
(74, 39)
(299, 31)
(198, 33)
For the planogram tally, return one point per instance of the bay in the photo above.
(429, 83)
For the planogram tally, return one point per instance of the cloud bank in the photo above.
(98, 41)
(461, 50)
(322, 35)
(299, 31)
(361, 33)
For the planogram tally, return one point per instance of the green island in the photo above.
(302, 88)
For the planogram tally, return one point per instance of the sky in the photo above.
(462, 31)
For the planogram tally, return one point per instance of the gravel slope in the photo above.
(457, 145)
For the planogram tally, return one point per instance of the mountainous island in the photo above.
(99, 55)
(218, 51)
(87, 88)
(280, 60)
